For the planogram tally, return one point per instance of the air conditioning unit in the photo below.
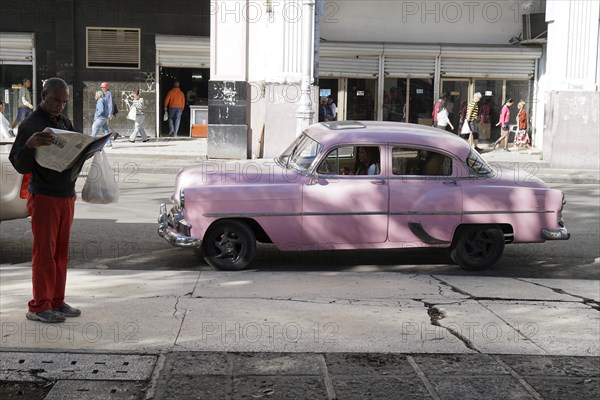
(535, 27)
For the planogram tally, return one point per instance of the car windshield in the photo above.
(301, 153)
(477, 165)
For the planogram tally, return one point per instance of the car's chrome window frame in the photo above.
(290, 156)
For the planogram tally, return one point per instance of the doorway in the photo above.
(193, 83)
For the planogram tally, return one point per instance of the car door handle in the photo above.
(378, 182)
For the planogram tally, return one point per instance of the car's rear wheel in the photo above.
(229, 245)
(478, 247)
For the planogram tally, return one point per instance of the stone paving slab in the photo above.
(557, 328)
(566, 388)
(279, 387)
(94, 283)
(145, 324)
(368, 364)
(23, 366)
(379, 387)
(276, 364)
(589, 289)
(503, 288)
(299, 326)
(481, 329)
(558, 366)
(323, 287)
(97, 390)
(460, 364)
(477, 388)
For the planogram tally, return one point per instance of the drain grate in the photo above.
(97, 390)
(36, 367)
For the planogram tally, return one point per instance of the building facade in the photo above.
(253, 71)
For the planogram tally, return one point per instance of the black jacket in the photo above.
(43, 180)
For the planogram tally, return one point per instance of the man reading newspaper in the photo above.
(51, 205)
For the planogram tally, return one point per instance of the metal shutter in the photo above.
(350, 67)
(113, 47)
(487, 68)
(16, 48)
(404, 67)
(183, 51)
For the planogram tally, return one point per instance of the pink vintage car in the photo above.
(360, 185)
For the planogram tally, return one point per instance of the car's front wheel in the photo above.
(229, 245)
(478, 247)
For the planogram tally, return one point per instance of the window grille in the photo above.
(113, 47)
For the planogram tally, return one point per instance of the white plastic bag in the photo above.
(166, 116)
(100, 186)
(132, 113)
(466, 129)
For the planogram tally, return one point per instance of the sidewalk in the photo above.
(168, 155)
(220, 335)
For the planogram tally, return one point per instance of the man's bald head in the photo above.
(55, 95)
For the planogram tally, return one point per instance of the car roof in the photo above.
(372, 132)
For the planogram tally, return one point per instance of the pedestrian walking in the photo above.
(443, 118)
(434, 114)
(138, 124)
(101, 116)
(109, 104)
(174, 103)
(471, 118)
(25, 107)
(503, 122)
(51, 205)
(522, 140)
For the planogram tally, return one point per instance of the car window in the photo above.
(408, 161)
(477, 165)
(301, 153)
(351, 160)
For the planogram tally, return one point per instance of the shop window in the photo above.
(361, 99)
(113, 47)
(394, 99)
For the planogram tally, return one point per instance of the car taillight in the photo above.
(24, 186)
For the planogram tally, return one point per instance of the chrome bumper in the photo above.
(556, 234)
(169, 227)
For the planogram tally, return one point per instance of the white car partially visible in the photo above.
(13, 186)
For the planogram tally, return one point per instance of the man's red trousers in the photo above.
(51, 220)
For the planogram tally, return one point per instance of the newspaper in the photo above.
(67, 149)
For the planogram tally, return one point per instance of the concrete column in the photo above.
(305, 113)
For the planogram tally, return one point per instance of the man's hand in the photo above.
(40, 139)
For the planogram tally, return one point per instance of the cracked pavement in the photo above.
(311, 312)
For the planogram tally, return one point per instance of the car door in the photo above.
(425, 196)
(341, 208)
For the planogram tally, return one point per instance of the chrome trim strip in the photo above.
(312, 214)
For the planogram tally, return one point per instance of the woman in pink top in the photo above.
(504, 118)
